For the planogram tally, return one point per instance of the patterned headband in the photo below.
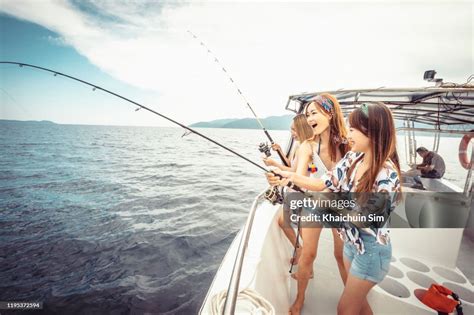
(365, 109)
(325, 102)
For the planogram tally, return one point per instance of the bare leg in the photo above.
(287, 229)
(290, 235)
(338, 248)
(366, 310)
(305, 270)
(354, 297)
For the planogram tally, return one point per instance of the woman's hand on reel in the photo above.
(278, 177)
(276, 147)
(269, 161)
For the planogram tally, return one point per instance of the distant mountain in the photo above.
(213, 123)
(270, 123)
(46, 122)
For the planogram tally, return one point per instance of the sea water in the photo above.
(107, 219)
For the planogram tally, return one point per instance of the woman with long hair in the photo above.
(314, 158)
(372, 165)
(300, 132)
(329, 144)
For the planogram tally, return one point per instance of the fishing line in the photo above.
(140, 106)
(239, 91)
(15, 102)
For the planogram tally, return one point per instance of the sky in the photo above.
(272, 49)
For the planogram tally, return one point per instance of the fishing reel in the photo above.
(264, 148)
(274, 196)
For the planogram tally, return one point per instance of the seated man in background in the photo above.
(433, 164)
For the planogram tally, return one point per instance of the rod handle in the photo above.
(292, 185)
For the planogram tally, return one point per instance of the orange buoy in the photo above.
(463, 158)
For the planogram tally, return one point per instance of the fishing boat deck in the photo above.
(420, 257)
(323, 292)
(266, 264)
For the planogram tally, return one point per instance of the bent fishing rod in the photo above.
(239, 91)
(97, 87)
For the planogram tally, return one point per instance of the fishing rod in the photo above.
(140, 106)
(239, 91)
(96, 87)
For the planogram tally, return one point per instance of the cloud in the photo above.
(271, 49)
(57, 40)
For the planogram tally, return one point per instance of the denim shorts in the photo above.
(373, 264)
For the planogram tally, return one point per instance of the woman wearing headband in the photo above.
(315, 157)
(329, 144)
(371, 166)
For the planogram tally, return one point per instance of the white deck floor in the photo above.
(420, 257)
(323, 292)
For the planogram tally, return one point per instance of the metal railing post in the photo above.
(233, 289)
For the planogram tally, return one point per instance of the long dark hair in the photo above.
(375, 121)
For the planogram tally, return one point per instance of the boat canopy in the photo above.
(436, 106)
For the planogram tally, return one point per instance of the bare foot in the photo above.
(294, 260)
(295, 309)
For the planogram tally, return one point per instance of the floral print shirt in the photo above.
(387, 180)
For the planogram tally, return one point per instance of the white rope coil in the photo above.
(248, 302)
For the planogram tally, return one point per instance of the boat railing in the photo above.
(233, 289)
